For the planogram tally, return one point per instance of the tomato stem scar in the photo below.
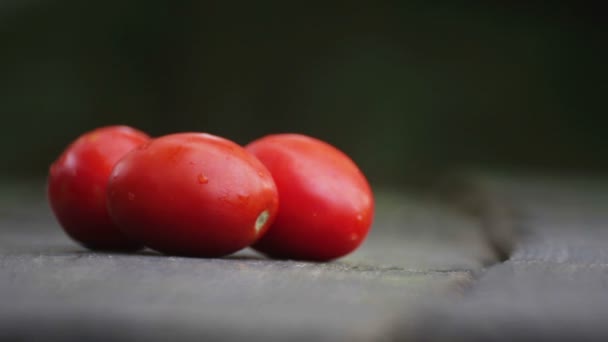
(261, 220)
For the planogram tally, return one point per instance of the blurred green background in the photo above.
(408, 90)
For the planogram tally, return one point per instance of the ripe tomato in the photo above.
(77, 181)
(192, 194)
(326, 202)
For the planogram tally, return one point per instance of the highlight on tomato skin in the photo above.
(192, 194)
(326, 203)
(76, 186)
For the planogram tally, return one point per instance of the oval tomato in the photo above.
(326, 202)
(76, 186)
(192, 194)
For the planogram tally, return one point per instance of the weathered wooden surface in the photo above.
(51, 288)
(554, 284)
(427, 272)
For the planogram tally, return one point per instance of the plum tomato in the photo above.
(326, 206)
(76, 186)
(192, 194)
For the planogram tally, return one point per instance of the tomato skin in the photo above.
(327, 204)
(192, 194)
(76, 186)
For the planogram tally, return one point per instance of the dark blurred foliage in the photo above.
(408, 89)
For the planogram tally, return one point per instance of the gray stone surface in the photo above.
(554, 284)
(50, 288)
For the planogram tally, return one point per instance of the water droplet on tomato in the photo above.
(202, 179)
(359, 217)
(131, 196)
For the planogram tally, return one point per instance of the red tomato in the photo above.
(326, 202)
(192, 194)
(77, 183)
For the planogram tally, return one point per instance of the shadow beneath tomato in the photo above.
(241, 255)
(143, 252)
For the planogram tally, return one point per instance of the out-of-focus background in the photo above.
(408, 90)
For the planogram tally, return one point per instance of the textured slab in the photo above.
(554, 285)
(52, 288)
